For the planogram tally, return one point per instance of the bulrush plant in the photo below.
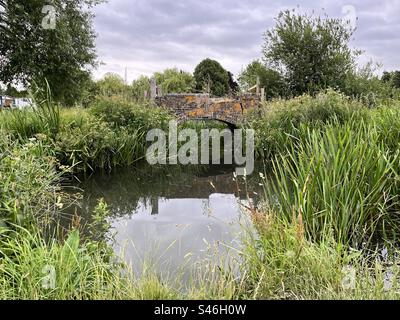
(340, 178)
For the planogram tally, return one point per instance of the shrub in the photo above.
(130, 115)
(28, 189)
(279, 121)
(95, 145)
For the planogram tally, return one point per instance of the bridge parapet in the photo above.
(202, 106)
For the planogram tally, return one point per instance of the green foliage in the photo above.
(392, 77)
(270, 79)
(43, 117)
(139, 87)
(63, 55)
(283, 264)
(111, 133)
(170, 80)
(95, 145)
(210, 72)
(310, 52)
(233, 85)
(40, 270)
(14, 92)
(113, 85)
(366, 87)
(341, 180)
(335, 182)
(27, 176)
(175, 81)
(118, 112)
(279, 121)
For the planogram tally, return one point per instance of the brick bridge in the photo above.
(202, 107)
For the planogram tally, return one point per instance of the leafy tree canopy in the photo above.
(48, 40)
(139, 87)
(392, 77)
(175, 81)
(112, 84)
(233, 85)
(270, 79)
(311, 52)
(210, 72)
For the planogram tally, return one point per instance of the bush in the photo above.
(369, 90)
(279, 121)
(95, 145)
(28, 184)
(130, 115)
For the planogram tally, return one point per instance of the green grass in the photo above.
(69, 270)
(282, 263)
(110, 133)
(340, 178)
(277, 122)
(331, 199)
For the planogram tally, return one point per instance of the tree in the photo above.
(170, 80)
(174, 81)
(270, 79)
(392, 77)
(55, 42)
(310, 52)
(112, 84)
(210, 72)
(139, 87)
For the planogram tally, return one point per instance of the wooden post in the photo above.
(262, 94)
(258, 86)
(153, 88)
(159, 91)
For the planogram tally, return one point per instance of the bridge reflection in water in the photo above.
(165, 216)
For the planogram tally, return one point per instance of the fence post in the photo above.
(153, 88)
(159, 91)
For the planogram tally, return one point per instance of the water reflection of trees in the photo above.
(126, 189)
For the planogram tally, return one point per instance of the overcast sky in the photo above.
(150, 35)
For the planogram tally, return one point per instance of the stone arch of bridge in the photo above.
(232, 126)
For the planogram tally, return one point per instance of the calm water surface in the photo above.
(173, 217)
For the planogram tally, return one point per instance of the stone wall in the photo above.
(201, 106)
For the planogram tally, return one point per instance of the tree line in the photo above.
(300, 54)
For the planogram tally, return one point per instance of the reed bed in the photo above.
(330, 208)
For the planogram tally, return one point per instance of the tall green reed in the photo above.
(340, 179)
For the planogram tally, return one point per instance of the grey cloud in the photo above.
(150, 35)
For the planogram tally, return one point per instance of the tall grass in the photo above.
(43, 116)
(69, 270)
(341, 180)
(277, 122)
(111, 133)
(334, 190)
(28, 183)
(282, 263)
